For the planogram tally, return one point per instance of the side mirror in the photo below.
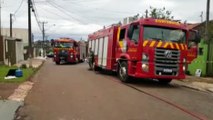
(194, 36)
(75, 44)
(198, 37)
(130, 31)
(135, 41)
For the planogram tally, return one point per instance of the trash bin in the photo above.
(19, 73)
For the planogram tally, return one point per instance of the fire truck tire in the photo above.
(57, 63)
(95, 68)
(76, 60)
(123, 72)
(164, 81)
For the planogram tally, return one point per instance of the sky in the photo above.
(78, 18)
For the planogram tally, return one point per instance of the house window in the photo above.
(200, 51)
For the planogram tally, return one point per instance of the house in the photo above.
(11, 50)
(205, 53)
(19, 33)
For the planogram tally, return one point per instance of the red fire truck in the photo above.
(145, 48)
(69, 51)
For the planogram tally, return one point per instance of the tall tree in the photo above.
(159, 13)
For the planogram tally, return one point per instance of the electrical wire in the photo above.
(18, 7)
(68, 13)
(99, 10)
(55, 13)
(36, 15)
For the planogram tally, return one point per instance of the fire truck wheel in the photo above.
(76, 60)
(57, 63)
(164, 81)
(95, 68)
(123, 72)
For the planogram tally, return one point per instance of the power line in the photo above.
(19, 7)
(64, 11)
(98, 9)
(68, 13)
(55, 13)
(36, 14)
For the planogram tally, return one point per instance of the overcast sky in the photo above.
(78, 18)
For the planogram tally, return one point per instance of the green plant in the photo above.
(24, 66)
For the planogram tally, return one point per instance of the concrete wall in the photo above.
(1, 50)
(19, 33)
(17, 50)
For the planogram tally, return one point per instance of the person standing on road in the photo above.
(91, 58)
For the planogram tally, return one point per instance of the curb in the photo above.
(18, 97)
(25, 91)
(37, 69)
(25, 87)
(195, 88)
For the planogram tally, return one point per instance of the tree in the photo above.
(159, 13)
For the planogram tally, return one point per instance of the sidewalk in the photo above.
(197, 83)
(36, 62)
(9, 106)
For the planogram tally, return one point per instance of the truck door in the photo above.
(133, 40)
(193, 41)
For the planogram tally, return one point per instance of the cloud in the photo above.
(78, 18)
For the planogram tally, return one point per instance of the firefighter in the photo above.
(91, 58)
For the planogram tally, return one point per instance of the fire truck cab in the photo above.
(146, 48)
(69, 51)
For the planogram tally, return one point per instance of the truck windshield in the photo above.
(63, 45)
(164, 34)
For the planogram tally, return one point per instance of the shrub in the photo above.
(24, 66)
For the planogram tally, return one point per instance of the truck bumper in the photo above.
(152, 76)
(151, 73)
(66, 59)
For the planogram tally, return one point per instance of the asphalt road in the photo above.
(72, 92)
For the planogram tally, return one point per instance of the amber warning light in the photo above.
(166, 22)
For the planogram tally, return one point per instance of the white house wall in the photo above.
(18, 33)
(19, 51)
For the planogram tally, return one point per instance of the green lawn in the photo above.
(26, 74)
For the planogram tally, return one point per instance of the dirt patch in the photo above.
(6, 89)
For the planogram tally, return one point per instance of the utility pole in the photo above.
(11, 25)
(0, 19)
(43, 36)
(29, 32)
(207, 17)
(146, 13)
(209, 72)
(201, 17)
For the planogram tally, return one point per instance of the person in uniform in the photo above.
(91, 58)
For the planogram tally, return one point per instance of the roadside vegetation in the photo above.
(27, 72)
